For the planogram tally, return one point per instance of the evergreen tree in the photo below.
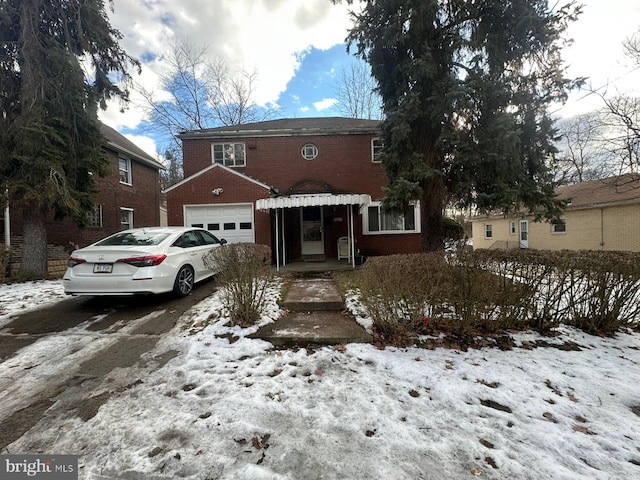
(465, 87)
(50, 140)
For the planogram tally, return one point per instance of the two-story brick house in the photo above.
(127, 196)
(297, 185)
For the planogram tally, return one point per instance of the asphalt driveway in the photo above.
(102, 346)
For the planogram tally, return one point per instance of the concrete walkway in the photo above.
(315, 317)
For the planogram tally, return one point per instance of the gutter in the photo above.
(288, 132)
(582, 206)
(148, 161)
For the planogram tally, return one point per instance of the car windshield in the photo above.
(134, 238)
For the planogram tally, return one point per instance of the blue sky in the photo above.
(311, 92)
(297, 48)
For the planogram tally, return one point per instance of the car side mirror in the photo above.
(223, 241)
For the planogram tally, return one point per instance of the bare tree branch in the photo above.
(196, 92)
(583, 155)
(622, 117)
(632, 47)
(356, 93)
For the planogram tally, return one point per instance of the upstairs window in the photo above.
(229, 154)
(380, 221)
(124, 167)
(376, 148)
(309, 151)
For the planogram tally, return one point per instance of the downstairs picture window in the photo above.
(379, 221)
(126, 218)
(94, 217)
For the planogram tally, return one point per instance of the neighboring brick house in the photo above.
(128, 196)
(297, 185)
(602, 215)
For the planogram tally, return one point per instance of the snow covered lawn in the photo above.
(229, 407)
(16, 297)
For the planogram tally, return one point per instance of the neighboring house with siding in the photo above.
(303, 186)
(127, 196)
(601, 215)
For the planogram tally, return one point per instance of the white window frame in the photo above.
(366, 220)
(376, 149)
(129, 223)
(554, 226)
(95, 217)
(228, 154)
(126, 171)
(309, 151)
(512, 228)
(488, 231)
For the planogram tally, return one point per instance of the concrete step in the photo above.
(313, 295)
(313, 328)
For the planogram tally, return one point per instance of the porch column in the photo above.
(352, 240)
(284, 240)
(277, 244)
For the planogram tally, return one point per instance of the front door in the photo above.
(524, 234)
(312, 235)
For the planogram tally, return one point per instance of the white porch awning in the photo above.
(319, 200)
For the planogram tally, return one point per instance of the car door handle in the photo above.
(193, 254)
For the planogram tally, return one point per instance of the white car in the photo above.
(141, 261)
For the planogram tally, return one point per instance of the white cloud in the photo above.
(147, 144)
(266, 36)
(597, 51)
(324, 104)
(272, 37)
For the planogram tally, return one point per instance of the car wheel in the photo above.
(184, 281)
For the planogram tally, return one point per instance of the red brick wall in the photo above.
(143, 196)
(236, 190)
(343, 162)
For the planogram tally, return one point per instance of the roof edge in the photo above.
(211, 167)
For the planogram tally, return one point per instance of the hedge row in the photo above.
(493, 290)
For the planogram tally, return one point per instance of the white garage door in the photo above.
(234, 223)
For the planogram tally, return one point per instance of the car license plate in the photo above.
(102, 268)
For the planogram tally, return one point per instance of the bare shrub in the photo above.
(482, 295)
(592, 290)
(5, 255)
(467, 292)
(399, 291)
(605, 293)
(245, 274)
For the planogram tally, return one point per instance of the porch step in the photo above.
(313, 295)
(315, 317)
(314, 258)
(313, 328)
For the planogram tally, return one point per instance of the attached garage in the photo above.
(233, 222)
